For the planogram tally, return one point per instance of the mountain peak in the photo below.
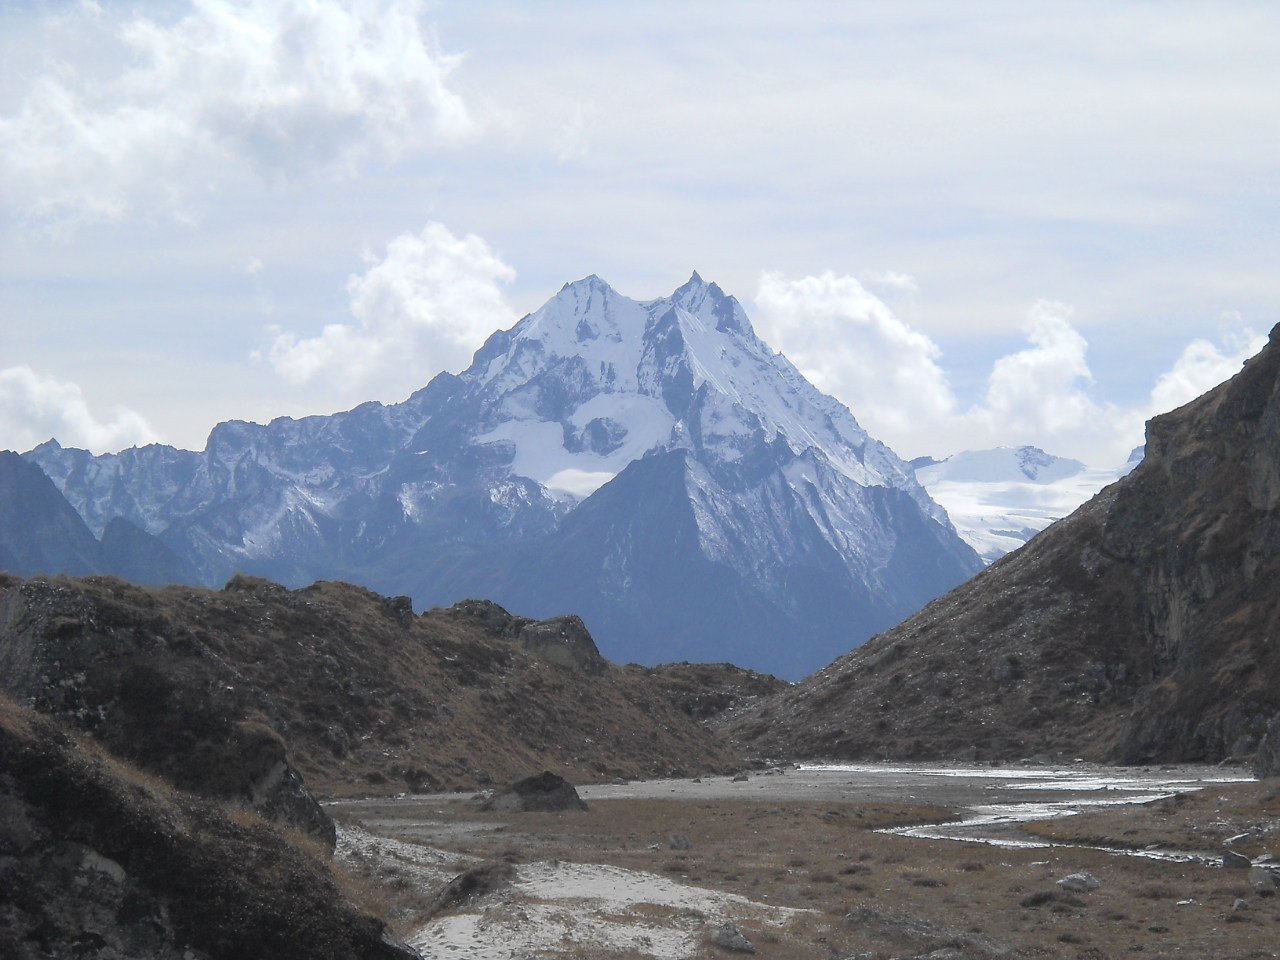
(605, 455)
(588, 282)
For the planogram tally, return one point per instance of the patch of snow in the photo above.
(539, 452)
(594, 907)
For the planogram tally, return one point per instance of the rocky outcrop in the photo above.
(151, 692)
(540, 793)
(101, 859)
(1140, 628)
(564, 640)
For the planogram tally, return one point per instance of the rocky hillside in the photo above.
(101, 859)
(206, 687)
(1143, 627)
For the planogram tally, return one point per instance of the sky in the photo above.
(976, 224)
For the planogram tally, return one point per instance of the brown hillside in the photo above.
(367, 696)
(1142, 627)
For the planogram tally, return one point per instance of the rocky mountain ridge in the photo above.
(1141, 628)
(702, 500)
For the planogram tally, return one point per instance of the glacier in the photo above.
(1000, 498)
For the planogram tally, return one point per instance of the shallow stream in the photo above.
(1052, 794)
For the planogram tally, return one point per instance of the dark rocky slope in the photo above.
(1145, 626)
(206, 687)
(99, 859)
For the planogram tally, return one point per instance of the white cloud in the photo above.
(35, 407)
(850, 344)
(897, 281)
(427, 305)
(1040, 391)
(1203, 364)
(891, 376)
(164, 110)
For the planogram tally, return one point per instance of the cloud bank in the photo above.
(425, 306)
(135, 113)
(891, 376)
(35, 407)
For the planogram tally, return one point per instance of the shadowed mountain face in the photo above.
(39, 529)
(652, 466)
(40, 532)
(1145, 626)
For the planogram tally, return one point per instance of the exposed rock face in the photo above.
(543, 792)
(1142, 627)
(562, 640)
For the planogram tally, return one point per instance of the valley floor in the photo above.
(799, 863)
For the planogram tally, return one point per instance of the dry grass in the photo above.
(1198, 821)
(823, 858)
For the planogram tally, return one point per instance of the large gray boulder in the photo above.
(544, 792)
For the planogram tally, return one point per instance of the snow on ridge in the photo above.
(999, 499)
(1025, 464)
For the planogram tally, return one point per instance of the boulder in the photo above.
(1235, 861)
(544, 792)
(728, 936)
(1264, 880)
(1079, 883)
(472, 884)
(564, 641)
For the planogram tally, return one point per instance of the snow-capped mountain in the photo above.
(999, 499)
(651, 465)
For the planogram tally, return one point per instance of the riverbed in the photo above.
(928, 854)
